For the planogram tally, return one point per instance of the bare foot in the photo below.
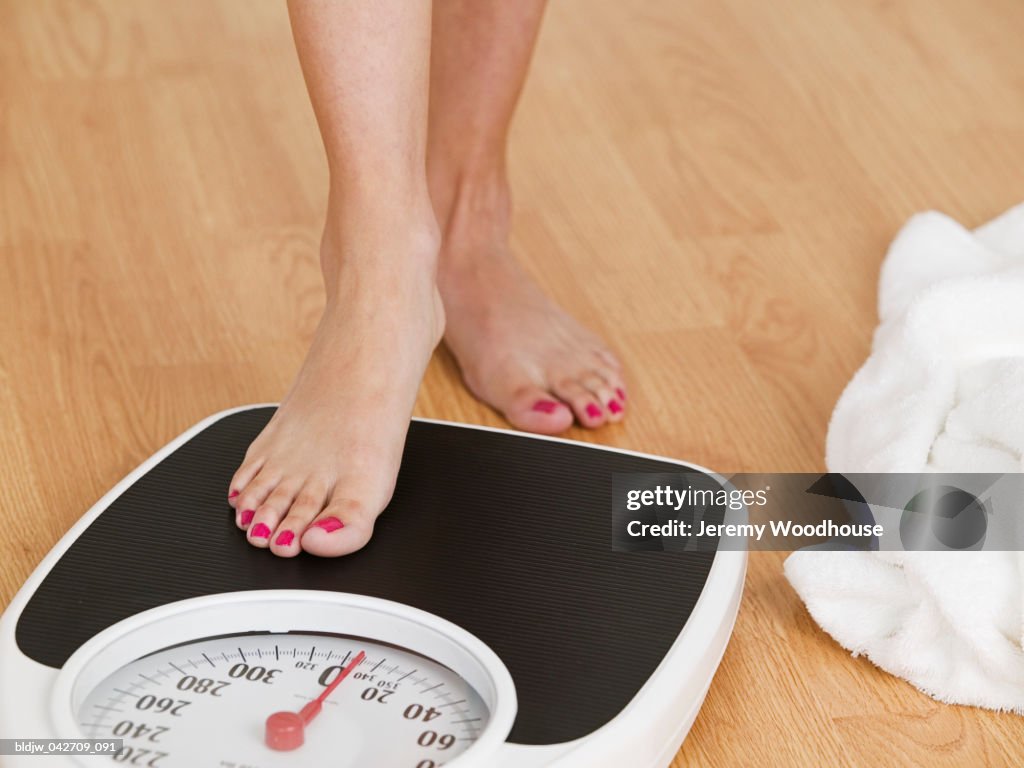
(519, 352)
(321, 471)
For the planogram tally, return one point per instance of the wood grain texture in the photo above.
(709, 183)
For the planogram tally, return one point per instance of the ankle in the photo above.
(387, 236)
(400, 251)
(473, 208)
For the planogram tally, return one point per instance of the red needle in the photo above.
(285, 730)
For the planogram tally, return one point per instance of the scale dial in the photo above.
(206, 703)
(271, 678)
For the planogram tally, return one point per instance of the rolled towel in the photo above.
(942, 391)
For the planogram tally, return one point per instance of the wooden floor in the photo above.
(710, 183)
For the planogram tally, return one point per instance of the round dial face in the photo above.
(207, 704)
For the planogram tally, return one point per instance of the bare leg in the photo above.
(319, 474)
(518, 351)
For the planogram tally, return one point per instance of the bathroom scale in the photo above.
(487, 623)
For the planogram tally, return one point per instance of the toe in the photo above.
(583, 402)
(342, 527)
(242, 477)
(536, 410)
(252, 496)
(617, 383)
(604, 390)
(270, 513)
(307, 505)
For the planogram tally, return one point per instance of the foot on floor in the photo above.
(519, 352)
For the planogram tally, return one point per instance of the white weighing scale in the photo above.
(488, 623)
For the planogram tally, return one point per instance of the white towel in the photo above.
(942, 391)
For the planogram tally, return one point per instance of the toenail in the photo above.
(261, 531)
(284, 538)
(621, 393)
(614, 407)
(232, 494)
(593, 411)
(545, 406)
(247, 516)
(329, 524)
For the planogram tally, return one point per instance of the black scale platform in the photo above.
(506, 536)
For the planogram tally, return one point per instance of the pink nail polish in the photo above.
(329, 524)
(614, 407)
(545, 406)
(622, 395)
(232, 494)
(261, 531)
(247, 516)
(593, 411)
(284, 538)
